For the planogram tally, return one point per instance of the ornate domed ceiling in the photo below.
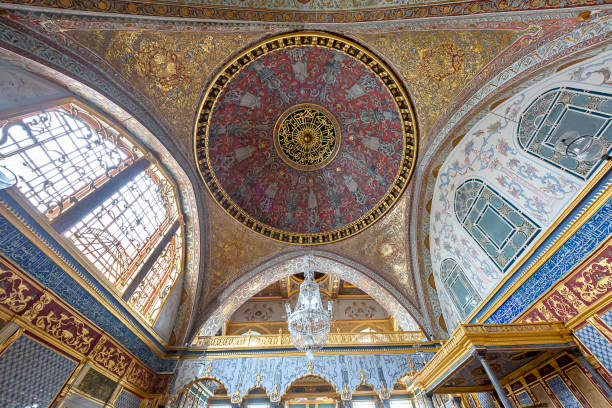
(306, 138)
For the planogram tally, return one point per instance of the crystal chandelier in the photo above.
(309, 323)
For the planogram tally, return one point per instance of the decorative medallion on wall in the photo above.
(306, 138)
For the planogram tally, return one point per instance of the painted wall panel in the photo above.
(540, 393)
(538, 189)
(21, 89)
(31, 374)
(586, 387)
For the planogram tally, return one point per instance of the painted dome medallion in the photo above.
(306, 138)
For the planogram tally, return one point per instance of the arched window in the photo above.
(500, 229)
(99, 190)
(566, 111)
(463, 294)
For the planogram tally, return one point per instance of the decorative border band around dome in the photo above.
(336, 43)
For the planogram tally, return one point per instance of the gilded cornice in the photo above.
(468, 338)
(169, 9)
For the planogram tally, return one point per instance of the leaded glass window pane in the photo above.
(60, 155)
(158, 282)
(117, 236)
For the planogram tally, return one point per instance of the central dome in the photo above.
(306, 138)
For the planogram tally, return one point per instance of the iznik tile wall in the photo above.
(31, 374)
(127, 400)
(20, 250)
(597, 344)
(563, 393)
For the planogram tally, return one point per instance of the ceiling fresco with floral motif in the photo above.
(167, 67)
(436, 65)
(268, 164)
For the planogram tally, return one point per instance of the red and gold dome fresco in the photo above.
(306, 138)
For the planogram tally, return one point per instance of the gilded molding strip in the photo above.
(466, 337)
(283, 340)
(168, 9)
(314, 39)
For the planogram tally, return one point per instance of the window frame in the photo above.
(45, 222)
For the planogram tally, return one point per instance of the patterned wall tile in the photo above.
(127, 400)
(486, 400)
(524, 398)
(597, 344)
(607, 318)
(20, 250)
(563, 393)
(574, 250)
(77, 401)
(31, 374)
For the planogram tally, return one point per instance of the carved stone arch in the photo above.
(287, 264)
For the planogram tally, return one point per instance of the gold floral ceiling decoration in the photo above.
(268, 139)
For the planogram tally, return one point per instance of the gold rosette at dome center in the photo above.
(307, 137)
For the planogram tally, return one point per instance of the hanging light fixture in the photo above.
(309, 323)
(581, 147)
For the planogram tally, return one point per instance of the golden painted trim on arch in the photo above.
(316, 39)
(581, 220)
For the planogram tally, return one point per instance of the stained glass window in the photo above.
(462, 292)
(564, 111)
(501, 229)
(63, 154)
(117, 236)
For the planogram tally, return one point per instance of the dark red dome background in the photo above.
(247, 167)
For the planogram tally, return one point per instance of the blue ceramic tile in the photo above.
(563, 393)
(597, 344)
(127, 400)
(31, 374)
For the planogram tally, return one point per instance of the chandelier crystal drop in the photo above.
(309, 323)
